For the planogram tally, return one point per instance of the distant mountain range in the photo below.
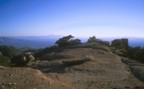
(46, 41)
(29, 41)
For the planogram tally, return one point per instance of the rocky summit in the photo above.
(84, 66)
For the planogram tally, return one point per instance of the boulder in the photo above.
(22, 59)
(29, 56)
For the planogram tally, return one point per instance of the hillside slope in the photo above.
(81, 67)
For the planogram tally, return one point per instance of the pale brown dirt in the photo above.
(104, 71)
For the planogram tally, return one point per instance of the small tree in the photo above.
(92, 39)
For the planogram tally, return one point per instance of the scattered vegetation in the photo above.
(122, 48)
(120, 44)
(4, 61)
(6, 53)
(67, 40)
(9, 51)
(136, 53)
(93, 39)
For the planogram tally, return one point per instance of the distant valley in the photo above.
(32, 42)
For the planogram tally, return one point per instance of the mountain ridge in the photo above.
(19, 42)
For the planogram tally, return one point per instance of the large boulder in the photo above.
(22, 59)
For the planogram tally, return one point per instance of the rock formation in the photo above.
(121, 44)
(22, 59)
(84, 66)
(67, 40)
(75, 42)
(64, 41)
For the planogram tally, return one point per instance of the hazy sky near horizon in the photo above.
(102, 18)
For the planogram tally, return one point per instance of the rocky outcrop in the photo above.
(85, 66)
(64, 41)
(89, 67)
(120, 44)
(67, 40)
(22, 59)
(75, 42)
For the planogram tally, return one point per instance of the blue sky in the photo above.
(102, 18)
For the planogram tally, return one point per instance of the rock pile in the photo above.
(22, 59)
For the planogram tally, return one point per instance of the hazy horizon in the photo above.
(73, 35)
(81, 18)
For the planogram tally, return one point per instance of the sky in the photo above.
(102, 18)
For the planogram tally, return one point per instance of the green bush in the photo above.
(92, 39)
(4, 61)
(136, 53)
(9, 51)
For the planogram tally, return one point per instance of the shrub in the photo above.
(92, 39)
(4, 61)
(135, 53)
(9, 51)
